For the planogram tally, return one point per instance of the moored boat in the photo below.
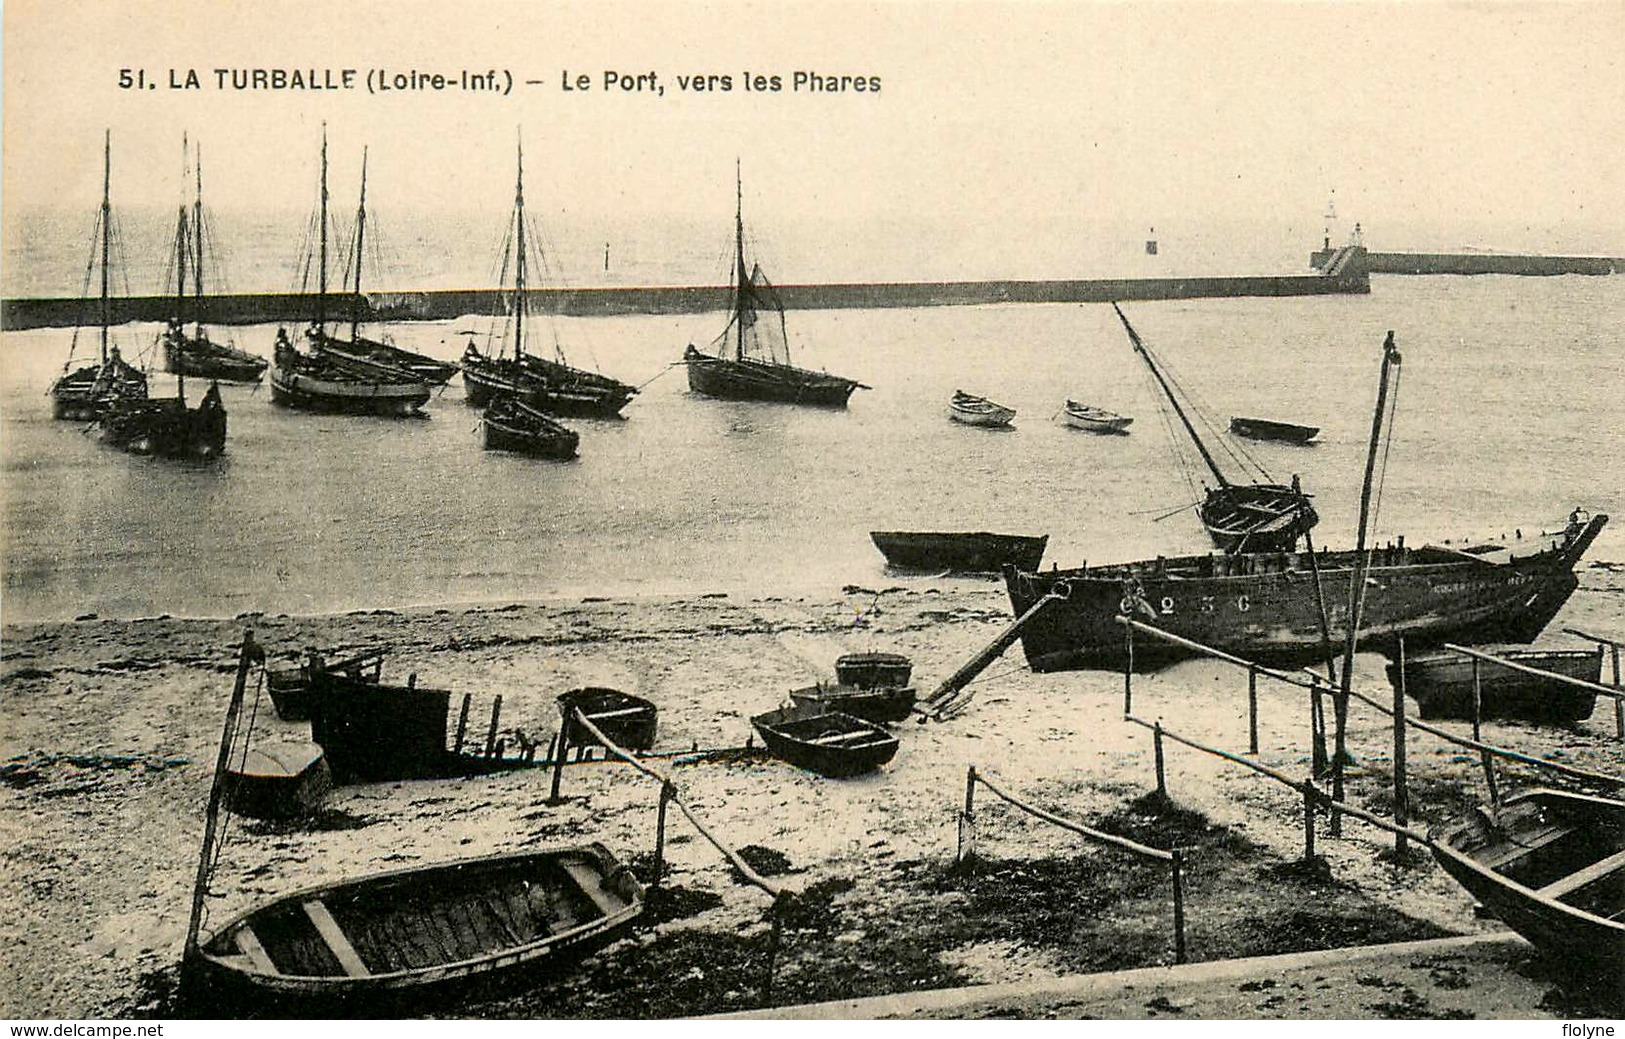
(881, 704)
(1265, 606)
(1093, 419)
(166, 427)
(1550, 864)
(958, 551)
(979, 411)
(628, 721)
(1441, 683)
(824, 741)
(750, 360)
(510, 424)
(1269, 429)
(868, 670)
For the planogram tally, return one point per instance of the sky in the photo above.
(1499, 123)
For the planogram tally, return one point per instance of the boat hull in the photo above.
(431, 370)
(756, 380)
(554, 388)
(305, 392)
(869, 670)
(880, 704)
(823, 741)
(419, 931)
(527, 432)
(1267, 517)
(1268, 429)
(1514, 862)
(1118, 424)
(202, 359)
(167, 428)
(1264, 606)
(629, 721)
(1442, 684)
(978, 552)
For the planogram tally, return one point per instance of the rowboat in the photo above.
(868, 670)
(292, 689)
(978, 411)
(824, 741)
(628, 721)
(1093, 419)
(278, 781)
(1550, 865)
(512, 425)
(879, 704)
(1442, 684)
(1269, 429)
(427, 927)
(958, 552)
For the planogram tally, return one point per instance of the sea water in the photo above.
(1507, 416)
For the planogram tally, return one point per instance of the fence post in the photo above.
(563, 744)
(1489, 778)
(1252, 709)
(1128, 674)
(1619, 705)
(660, 835)
(1308, 820)
(1162, 779)
(967, 821)
(773, 914)
(1179, 906)
(462, 723)
(491, 736)
(1478, 699)
(1402, 798)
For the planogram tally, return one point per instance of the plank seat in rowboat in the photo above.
(337, 943)
(622, 712)
(588, 882)
(1517, 849)
(1580, 878)
(870, 743)
(248, 943)
(832, 738)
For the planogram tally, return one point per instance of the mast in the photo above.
(107, 218)
(519, 264)
(180, 284)
(321, 276)
(1390, 360)
(360, 251)
(197, 235)
(741, 276)
(1139, 348)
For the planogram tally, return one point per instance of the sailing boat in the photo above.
(82, 394)
(166, 426)
(552, 385)
(325, 381)
(373, 351)
(750, 360)
(197, 354)
(1239, 517)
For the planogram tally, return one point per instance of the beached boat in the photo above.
(506, 369)
(1269, 429)
(83, 393)
(978, 411)
(628, 721)
(869, 670)
(510, 424)
(957, 551)
(294, 689)
(1265, 605)
(824, 741)
(750, 360)
(1238, 516)
(1549, 864)
(1093, 419)
(278, 781)
(373, 732)
(332, 377)
(1442, 684)
(881, 704)
(195, 353)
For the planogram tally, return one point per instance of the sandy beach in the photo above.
(110, 729)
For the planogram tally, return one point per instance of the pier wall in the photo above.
(1477, 263)
(439, 305)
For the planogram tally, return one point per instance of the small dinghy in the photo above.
(627, 720)
(1093, 419)
(512, 425)
(824, 741)
(868, 670)
(978, 411)
(879, 704)
(960, 552)
(278, 781)
(1269, 429)
(1441, 682)
(293, 689)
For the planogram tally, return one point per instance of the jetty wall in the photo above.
(1475, 263)
(246, 309)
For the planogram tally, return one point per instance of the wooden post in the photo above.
(660, 835)
(462, 723)
(563, 744)
(491, 736)
(1252, 709)
(1308, 821)
(773, 938)
(411, 681)
(1162, 779)
(1402, 797)
(967, 821)
(1478, 699)
(1128, 674)
(1179, 906)
(1619, 705)
(1489, 778)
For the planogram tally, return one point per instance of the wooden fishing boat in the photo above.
(165, 426)
(750, 360)
(278, 781)
(869, 670)
(1550, 864)
(824, 741)
(195, 353)
(1093, 419)
(510, 424)
(423, 928)
(1265, 606)
(506, 369)
(1269, 429)
(1252, 516)
(978, 411)
(628, 721)
(293, 690)
(373, 732)
(1441, 682)
(958, 552)
(83, 393)
(880, 704)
